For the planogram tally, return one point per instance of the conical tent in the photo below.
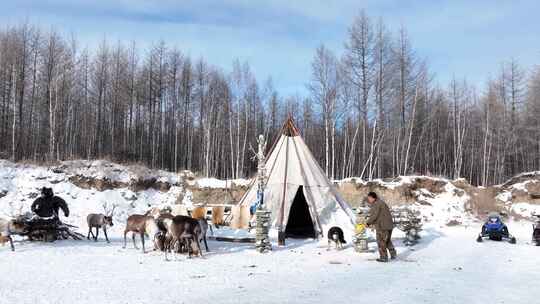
(302, 200)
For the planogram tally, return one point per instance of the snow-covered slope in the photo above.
(20, 184)
(439, 200)
(521, 194)
(87, 185)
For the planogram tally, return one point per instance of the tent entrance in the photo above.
(300, 224)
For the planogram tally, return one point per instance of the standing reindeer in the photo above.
(141, 224)
(100, 220)
(7, 228)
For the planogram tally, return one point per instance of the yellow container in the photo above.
(360, 228)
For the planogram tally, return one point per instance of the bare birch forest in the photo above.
(373, 110)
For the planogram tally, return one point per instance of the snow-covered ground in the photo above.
(447, 266)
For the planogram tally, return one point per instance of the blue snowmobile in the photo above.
(495, 230)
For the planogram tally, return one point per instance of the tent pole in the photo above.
(252, 182)
(281, 233)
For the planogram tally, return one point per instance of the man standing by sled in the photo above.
(48, 205)
(46, 221)
(381, 218)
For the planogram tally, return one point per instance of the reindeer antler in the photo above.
(112, 211)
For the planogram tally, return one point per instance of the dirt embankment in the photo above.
(103, 175)
(217, 195)
(398, 191)
(523, 188)
(102, 184)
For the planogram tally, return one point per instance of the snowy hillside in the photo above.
(439, 200)
(87, 185)
(521, 194)
(21, 185)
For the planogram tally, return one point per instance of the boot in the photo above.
(382, 260)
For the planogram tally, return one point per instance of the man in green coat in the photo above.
(381, 218)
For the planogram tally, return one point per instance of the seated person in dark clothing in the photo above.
(48, 204)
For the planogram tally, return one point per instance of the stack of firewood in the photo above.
(47, 229)
(262, 239)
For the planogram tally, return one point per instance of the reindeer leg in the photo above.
(142, 241)
(199, 246)
(189, 249)
(165, 250)
(11, 243)
(157, 242)
(125, 239)
(89, 231)
(176, 245)
(97, 233)
(105, 232)
(205, 243)
(133, 238)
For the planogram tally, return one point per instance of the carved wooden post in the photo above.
(262, 215)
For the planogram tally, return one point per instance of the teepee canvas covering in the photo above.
(302, 200)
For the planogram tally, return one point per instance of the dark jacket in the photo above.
(380, 216)
(47, 206)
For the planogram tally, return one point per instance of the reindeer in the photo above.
(141, 224)
(7, 228)
(154, 212)
(100, 220)
(13, 226)
(183, 230)
(162, 240)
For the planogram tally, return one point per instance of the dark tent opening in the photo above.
(300, 224)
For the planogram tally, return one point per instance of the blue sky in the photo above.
(278, 38)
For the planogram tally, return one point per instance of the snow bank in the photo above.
(210, 182)
(21, 184)
(447, 207)
(438, 200)
(505, 196)
(525, 210)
